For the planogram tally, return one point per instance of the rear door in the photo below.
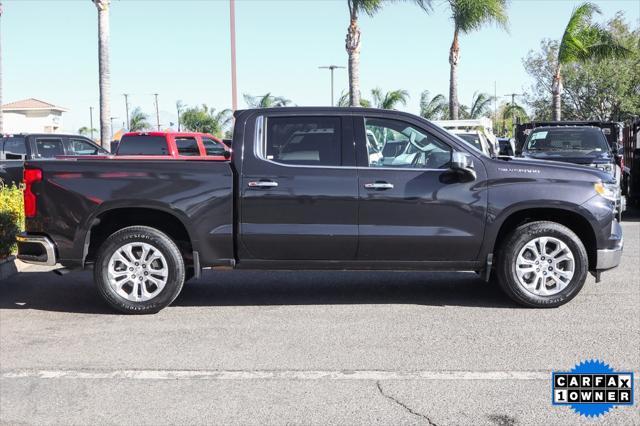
(298, 188)
(413, 207)
(47, 146)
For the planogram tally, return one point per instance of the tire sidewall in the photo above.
(159, 241)
(520, 237)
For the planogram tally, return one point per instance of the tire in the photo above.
(162, 276)
(556, 287)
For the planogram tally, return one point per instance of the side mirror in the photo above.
(462, 162)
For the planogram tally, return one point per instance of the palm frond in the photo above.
(471, 15)
(432, 108)
(480, 103)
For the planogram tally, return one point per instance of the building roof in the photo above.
(30, 105)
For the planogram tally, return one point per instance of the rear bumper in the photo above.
(36, 249)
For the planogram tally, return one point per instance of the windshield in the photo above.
(567, 139)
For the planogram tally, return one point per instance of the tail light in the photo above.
(30, 176)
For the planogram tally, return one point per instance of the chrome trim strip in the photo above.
(609, 258)
(45, 242)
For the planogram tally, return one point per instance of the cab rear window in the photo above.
(143, 145)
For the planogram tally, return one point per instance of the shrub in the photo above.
(11, 218)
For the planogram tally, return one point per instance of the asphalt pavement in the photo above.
(245, 347)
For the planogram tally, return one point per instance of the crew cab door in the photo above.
(413, 207)
(298, 189)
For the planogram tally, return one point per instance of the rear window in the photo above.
(143, 145)
(13, 148)
(187, 146)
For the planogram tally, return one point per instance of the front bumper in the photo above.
(36, 249)
(610, 257)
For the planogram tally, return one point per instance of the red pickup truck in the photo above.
(175, 144)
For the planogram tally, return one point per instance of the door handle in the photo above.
(379, 185)
(262, 184)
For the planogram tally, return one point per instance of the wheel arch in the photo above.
(573, 220)
(110, 220)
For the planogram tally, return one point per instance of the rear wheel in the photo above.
(542, 264)
(139, 270)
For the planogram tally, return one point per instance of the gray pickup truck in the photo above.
(303, 190)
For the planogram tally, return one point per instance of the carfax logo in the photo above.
(592, 388)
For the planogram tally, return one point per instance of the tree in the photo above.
(432, 108)
(85, 131)
(480, 105)
(104, 72)
(343, 101)
(138, 120)
(352, 41)
(206, 120)
(607, 90)
(389, 100)
(266, 101)
(468, 16)
(582, 41)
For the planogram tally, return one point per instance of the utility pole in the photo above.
(331, 68)
(126, 108)
(232, 27)
(178, 109)
(157, 112)
(91, 122)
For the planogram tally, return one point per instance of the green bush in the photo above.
(11, 218)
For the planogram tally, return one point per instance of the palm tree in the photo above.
(582, 41)
(390, 99)
(206, 120)
(514, 111)
(104, 72)
(480, 105)
(432, 108)
(85, 131)
(468, 16)
(266, 101)
(343, 101)
(138, 120)
(352, 41)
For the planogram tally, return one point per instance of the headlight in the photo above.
(610, 191)
(607, 167)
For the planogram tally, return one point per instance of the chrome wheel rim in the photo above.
(137, 272)
(545, 266)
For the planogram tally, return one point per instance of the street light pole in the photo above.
(331, 68)
(232, 28)
(157, 112)
(91, 122)
(111, 119)
(126, 108)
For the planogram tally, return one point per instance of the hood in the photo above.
(579, 157)
(551, 169)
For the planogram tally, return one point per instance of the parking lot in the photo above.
(310, 348)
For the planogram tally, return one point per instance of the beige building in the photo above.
(32, 116)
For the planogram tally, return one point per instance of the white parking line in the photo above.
(274, 374)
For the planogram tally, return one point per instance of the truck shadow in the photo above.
(632, 214)
(74, 293)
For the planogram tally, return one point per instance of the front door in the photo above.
(299, 193)
(413, 207)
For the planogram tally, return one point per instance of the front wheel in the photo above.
(139, 270)
(542, 264)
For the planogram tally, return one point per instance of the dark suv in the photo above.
(15, 149)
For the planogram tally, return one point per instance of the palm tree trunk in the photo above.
(454, 57)
(556, 91)
(104, 72)
(352, 44)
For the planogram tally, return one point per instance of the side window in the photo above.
(80, 147)
(303, 140)
(212, 147)
(187, 146)
(49, 147)
(397, 144)
(15, 148)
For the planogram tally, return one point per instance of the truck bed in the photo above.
(74, 194)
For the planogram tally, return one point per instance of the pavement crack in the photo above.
(403, 405)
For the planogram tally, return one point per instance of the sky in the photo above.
(180, 50)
